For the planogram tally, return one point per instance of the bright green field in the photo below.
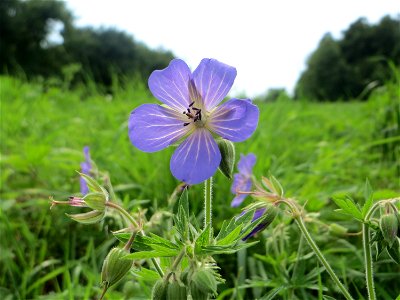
(316, 150)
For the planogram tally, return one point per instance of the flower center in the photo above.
(194, 115)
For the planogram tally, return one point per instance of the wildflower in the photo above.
(268, 214)
(242, 181)
(85, 169)
(190, 113)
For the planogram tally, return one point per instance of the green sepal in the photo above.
(227, 149)
(96, 201)
(388, 224)
(394, 251)
(90, 217)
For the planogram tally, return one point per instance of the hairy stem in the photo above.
(299, 220)
(208, 204)
(369, 271)
(122, 211)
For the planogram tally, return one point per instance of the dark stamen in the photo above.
(186, 124)
(191, 104)
(195, 108)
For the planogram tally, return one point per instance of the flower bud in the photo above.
(159, 291)
(96, 200)
(115, 266)
(227, 163)
(389, 227)
(196, 293)
(176, 291)
(205, 281)
(90, 217)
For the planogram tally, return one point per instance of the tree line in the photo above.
(39, 38)
(344, 68)
(351, 66)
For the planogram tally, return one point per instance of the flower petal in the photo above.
(213, 80)
(153, 127)
(246, 164)
(171, 85)
(240, 184)
(235, 120)
(197, 158)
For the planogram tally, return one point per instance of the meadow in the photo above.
(317, 150)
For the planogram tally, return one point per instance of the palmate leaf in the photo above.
(348, 206)
(181, 219)
(151, 254)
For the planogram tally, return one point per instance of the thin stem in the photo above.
(321, 257)
(369, 271)
(208, 204)
(178, 259)
(299, 220)
(135, 224)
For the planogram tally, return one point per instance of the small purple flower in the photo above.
(190, 113)
(85, 169)
(242, 181)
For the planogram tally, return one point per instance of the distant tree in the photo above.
(346, 68)
(326, 75)
(24, 31)
(274, 94)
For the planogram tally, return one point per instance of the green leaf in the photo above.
(151, 254)
(202, 240)
(146, 274)
(368, 196)
(349, 207)
(231, 237)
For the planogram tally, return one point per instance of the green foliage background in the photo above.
(317, 150)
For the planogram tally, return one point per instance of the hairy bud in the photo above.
(227, 163)
(159, 291)
(389, 227)
(115, 266)
(176, 291)
(205, 281)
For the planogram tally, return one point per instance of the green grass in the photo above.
(316, 150)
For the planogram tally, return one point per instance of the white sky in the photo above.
(267, 41)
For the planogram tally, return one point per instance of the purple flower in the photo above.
(190, 113)
(85, 169)
(242, 181)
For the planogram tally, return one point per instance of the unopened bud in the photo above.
(196, 293)
(115, 266)
(176, 291)
(96, 200)
(389, 227)
(159, 291)
(227, 149)
(205, 281)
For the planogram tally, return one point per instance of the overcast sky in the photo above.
(267, 41)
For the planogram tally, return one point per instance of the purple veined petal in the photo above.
(235, 120)
(197, 158)
(171, 85)
(83, 186)
(153, 127)
(240, 183)
(213, 80)
(246, 164)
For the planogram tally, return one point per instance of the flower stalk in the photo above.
(208, 204)
(122, 211)
(299, 220)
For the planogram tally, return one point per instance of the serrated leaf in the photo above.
(146, 274)
(368, 196)
(277, 186)
(349, 207)
(232, 237)
(202, 240)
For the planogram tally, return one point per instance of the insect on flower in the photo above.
(190, 113)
